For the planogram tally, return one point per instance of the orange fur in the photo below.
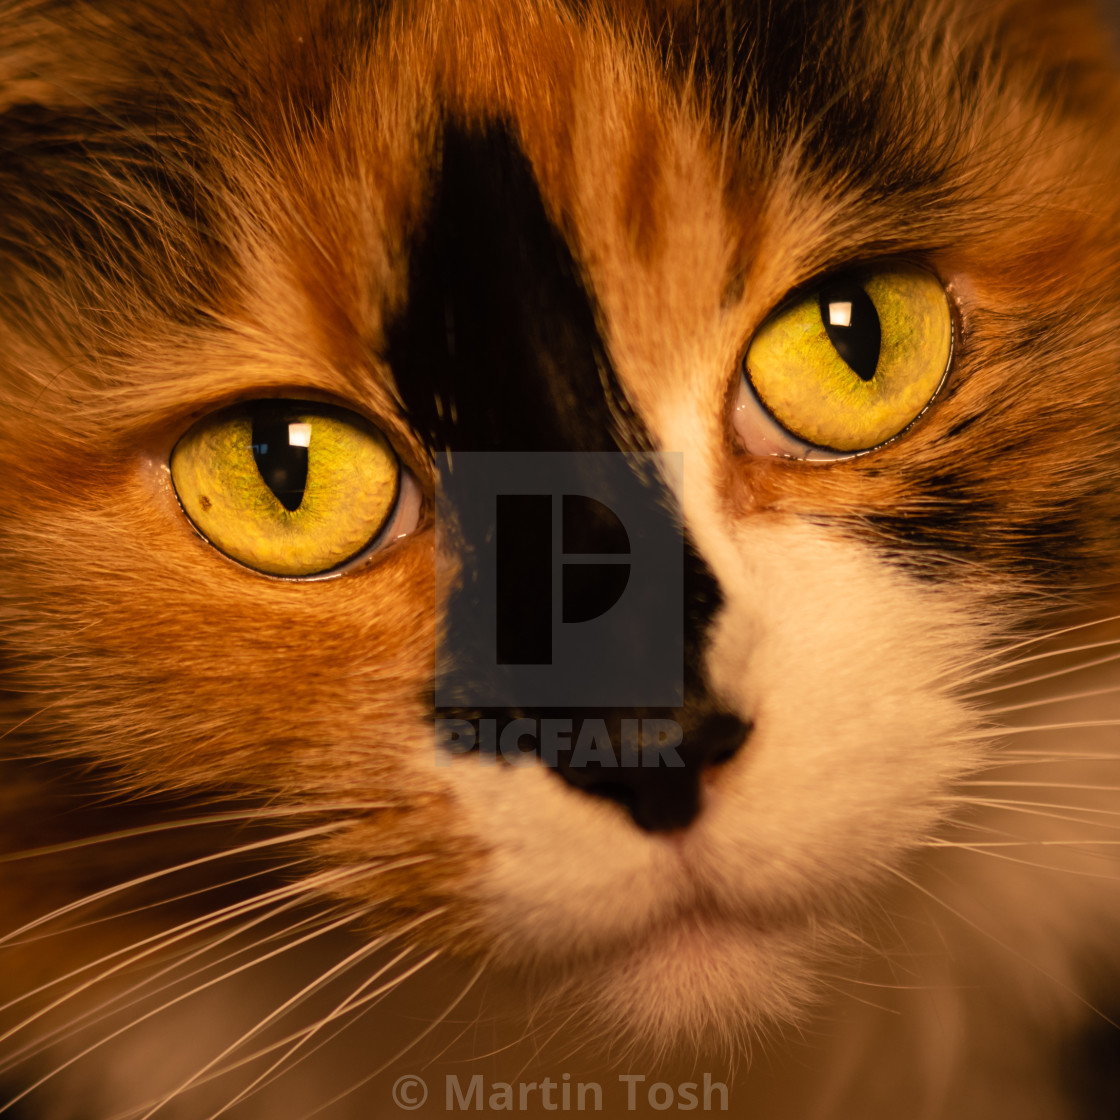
(200, 206)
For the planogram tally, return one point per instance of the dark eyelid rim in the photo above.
(857, 267)
(392, 429)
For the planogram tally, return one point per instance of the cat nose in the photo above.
(660, 788)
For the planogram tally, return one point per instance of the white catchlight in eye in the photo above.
(839, 314)
(299, 435)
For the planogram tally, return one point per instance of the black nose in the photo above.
(649, 760)
(659, 787)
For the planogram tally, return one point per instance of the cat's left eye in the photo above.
(288, 488)
(846, 367)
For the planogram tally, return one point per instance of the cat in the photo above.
(558, 555)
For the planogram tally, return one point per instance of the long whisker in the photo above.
(1000, 654)
(157, 941)
(1040, 785)
(133, 954)
(973, 825)
(401, 1053)
(223, 817)
(1065, 672)
(1062, 651)
(991, 937)
(109, 892)
(1059, 698)
(1022, 756)
(985, 850)
(1038, 728)
(338, 924)
(1021, 844)
(170, 900)
(346, 1007)
(300, 996)
(120, 1002)
(144, 990)
(1035, 808)
(272, 1047)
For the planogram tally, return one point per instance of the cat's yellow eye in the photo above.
(854, 362)
(288, 488)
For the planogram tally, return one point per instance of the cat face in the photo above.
(358, 222)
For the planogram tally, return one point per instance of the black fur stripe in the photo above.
(499, 348)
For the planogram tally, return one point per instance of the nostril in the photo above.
(720, 737)
(724, 755)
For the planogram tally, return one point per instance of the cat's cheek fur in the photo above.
(855, 746)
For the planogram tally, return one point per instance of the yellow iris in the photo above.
(290, 488)
(799, 374)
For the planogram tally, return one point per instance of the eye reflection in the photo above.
(852, 325)
(282, 460)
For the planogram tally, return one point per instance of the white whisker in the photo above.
(296, 895)
(986, 850)
(170, 900)
(351, 1004)
(338, 924)
(109, 892)
(159, 942)
(307, 990)
(1065, 672)
(1034, 965)
(1008, 666)
(224, 817)
(1039, 785)
(1000, 653)
(1022, 756)
(438, 1021)
(1059, 698)
(143, 991)
(1036, 808)
(1039, 728)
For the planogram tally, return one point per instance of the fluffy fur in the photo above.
(221, 814)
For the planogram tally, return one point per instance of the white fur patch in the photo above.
(840, 662)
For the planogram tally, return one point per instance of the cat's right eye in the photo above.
(286, 487)
(847, 366)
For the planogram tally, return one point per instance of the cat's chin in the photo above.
(698, 982)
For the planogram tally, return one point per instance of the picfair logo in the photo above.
(562, 575)
(590, 584)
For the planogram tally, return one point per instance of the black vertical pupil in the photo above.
(852, 325)
(282, 463)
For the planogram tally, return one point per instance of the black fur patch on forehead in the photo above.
(499, 347)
